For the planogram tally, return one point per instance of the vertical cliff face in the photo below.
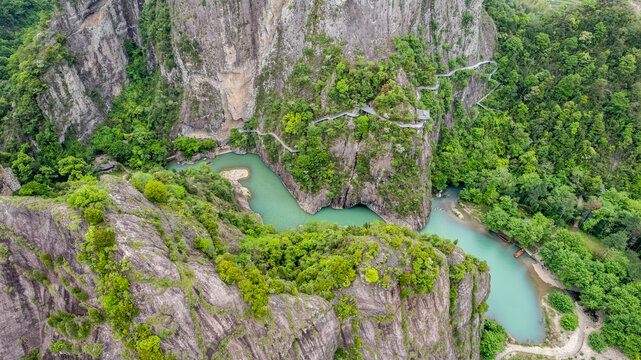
(226, 55)
(240, 41)
(223, 50)
(80, 93)
(197, 314)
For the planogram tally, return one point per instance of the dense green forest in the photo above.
(565, 152)
(138, 124)
(16, 17)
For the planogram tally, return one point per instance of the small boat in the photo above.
(519, 253)
(504, 237)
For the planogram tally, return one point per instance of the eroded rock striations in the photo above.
(194, 311)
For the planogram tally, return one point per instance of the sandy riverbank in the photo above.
(235, 175)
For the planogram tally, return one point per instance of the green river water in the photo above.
(513, 299)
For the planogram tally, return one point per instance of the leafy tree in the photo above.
(88, 195)
(627, 66)
(371, 275)
(618, 240)
(229, 272)
(34, 354)
(493, 337)
(33, 188)
(346, 307)
(237, 139)
(23, 166)
(72, 167)
(561, 302)
(467, 19)
(93, 215)
(156, 192)
(497, 219)
(569, 321)
(101, 237)
(190, 146)
(70, 325)
(291, 122)
(139, 180)
(254, 290)
(341, 271)
(93, 350)
(597, 342)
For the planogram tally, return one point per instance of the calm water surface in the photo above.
(513, 300)
(275, 204)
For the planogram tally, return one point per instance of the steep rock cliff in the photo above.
(196, 313)
(225, 55)
(230, 44)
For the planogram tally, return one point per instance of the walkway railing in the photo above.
(273, 135)
(422, 114)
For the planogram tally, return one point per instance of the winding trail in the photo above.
(570, 349)
(422, 114)
(473, 67)
(273, 135)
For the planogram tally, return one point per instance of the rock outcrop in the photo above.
(197, 313)
(9, 184)
(346, 151)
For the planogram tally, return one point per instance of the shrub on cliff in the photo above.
(371, 275)
(156, 192)
(492, 338)
(33, 188)
(93, 215)
(254, 290)
(70, 325)
(140, 180)
(101, 237)
(229, 272)
(88, 195)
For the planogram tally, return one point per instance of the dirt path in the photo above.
(570, 349)
(575, 344)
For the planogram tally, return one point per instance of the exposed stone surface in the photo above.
(95, 31)
(366, 193)
(9, 184)
(201, 312)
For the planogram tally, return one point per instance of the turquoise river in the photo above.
(513, 298)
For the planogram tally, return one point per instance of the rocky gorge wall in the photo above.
(197, 313)
(225, 54)
(233, 44)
